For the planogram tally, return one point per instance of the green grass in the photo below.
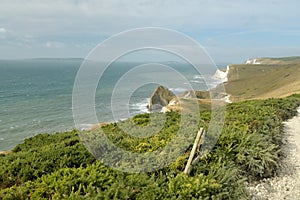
(57, 166)
(292, 59)
(263, 81)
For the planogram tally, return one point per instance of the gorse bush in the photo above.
(57, 166)
(41, 155)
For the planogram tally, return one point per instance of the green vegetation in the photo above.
(41, 155)
(283, 60)
(57, 166)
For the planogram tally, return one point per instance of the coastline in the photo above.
(245, 123)
(57, 148)
(219, 77)
(223, 77)
(267, 79)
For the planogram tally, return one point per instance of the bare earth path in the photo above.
(286, 185)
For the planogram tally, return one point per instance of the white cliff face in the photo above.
(256, 62)
(249, 61)
(252, 61)
(221, 75)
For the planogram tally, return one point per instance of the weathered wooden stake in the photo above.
(197, 159)
(192, 154)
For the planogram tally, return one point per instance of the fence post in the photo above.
(194, 149)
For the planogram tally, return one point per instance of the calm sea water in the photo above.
(36, 95)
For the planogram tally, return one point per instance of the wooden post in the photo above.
(192, 154)
(196, 160)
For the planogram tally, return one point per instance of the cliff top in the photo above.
(264, 78)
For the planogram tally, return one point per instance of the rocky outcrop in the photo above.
(163, 100)
(199, 94)
(160, 98)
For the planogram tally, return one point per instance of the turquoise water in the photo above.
(36, 95)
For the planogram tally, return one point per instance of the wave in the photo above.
(205, 82)
(140, 107)
(84, 127)
(178, 90)
(198, 77)
(196, 81)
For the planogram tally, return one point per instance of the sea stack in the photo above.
(160, 98)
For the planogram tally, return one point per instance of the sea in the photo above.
(36, 94)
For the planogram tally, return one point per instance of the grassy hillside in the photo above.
(57, 166)
(276, 77)
(275, 61)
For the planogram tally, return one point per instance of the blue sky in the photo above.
(231, 31)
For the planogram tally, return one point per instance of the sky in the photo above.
(230, 31)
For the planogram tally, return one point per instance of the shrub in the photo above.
(57, 166)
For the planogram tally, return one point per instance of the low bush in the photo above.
(57, 166)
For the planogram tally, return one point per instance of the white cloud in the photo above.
(111, 16)
(80, 22)
(54, 44)
(3, 30)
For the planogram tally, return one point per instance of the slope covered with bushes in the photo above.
(57, 166)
